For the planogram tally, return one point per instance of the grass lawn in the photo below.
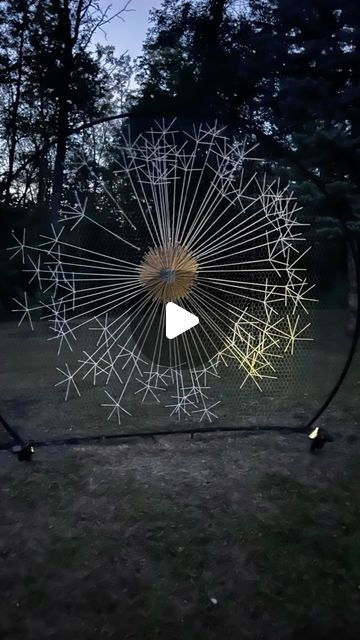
(31, 399)
(177, 539)
(181, 540)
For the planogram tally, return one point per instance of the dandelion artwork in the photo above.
(195, 221)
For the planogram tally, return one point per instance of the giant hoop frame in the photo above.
(18, 444)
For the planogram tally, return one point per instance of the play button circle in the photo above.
(178, 320)
(171, 335)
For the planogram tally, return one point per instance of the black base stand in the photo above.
(318, 439)
(23, 450)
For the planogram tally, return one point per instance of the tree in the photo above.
(70, 71)
(13, 48)
(285, 72)
(52, 83)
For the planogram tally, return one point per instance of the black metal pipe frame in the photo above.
(354, 248)
(12, 433)
(74, 440)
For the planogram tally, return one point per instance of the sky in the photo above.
(130, 34)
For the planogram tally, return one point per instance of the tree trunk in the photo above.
(207, 81)
(58, 174)
(64, 20)
(15, 106)
(42, 196)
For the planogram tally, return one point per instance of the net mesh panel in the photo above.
(30, 367)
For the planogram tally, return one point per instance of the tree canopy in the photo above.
(285, 73)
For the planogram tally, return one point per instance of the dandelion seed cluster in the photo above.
(207, 232)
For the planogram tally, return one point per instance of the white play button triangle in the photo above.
(178, 320)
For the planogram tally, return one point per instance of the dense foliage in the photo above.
(286, 73)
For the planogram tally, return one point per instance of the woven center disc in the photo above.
(168, 273)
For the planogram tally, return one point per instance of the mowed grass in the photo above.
(33, 401)
(217, 538)
(246, 537)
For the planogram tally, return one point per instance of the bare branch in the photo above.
(104, 18)
(267, 141)
(79, 16)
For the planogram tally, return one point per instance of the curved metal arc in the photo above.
(354, 247)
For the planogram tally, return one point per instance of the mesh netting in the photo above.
(266, 351)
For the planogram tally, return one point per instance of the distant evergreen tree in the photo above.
(286, 72)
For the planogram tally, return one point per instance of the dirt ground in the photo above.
(176, 539)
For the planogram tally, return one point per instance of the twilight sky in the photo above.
(128, 35)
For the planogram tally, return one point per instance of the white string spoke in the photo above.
(25, 307)
(68, 381)
(116, 407)
(19, 247)
(205, 412)
(62, 330)
(147, 387)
